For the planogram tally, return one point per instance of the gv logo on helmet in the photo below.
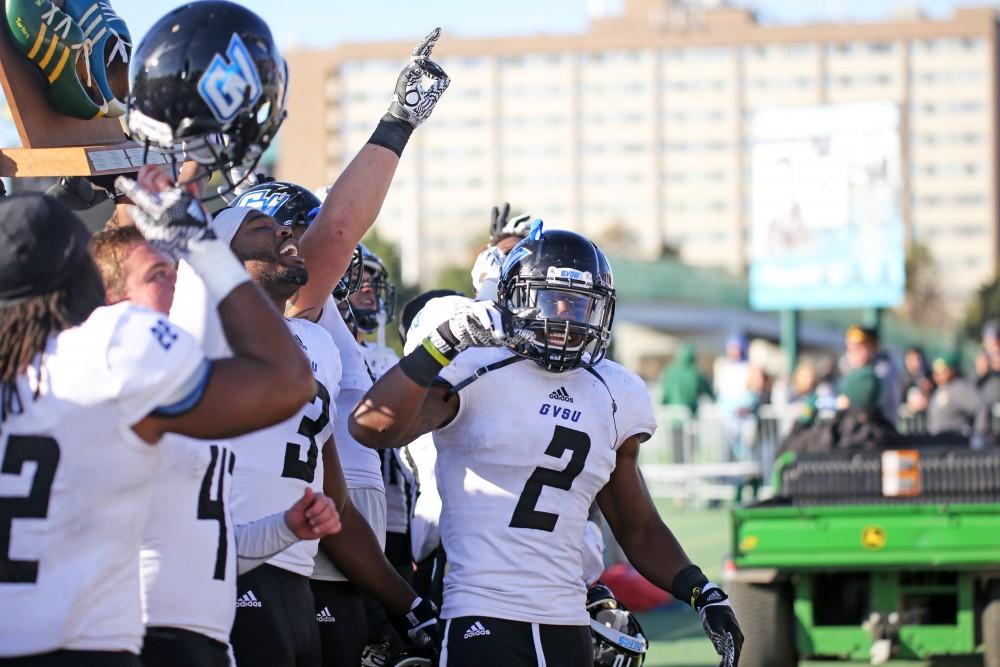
(268, 202)
(230, 83)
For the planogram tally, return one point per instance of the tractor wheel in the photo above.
(991, 626)
(765, 615)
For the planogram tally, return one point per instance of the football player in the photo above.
(366, 311)
(191, 550)
(505, 233)
(223, 116)
(85, 391)
(340, 607)
(369, 308)
(516, 492)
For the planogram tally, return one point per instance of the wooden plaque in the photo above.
(53, 144)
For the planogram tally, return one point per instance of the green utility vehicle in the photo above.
(871, 556)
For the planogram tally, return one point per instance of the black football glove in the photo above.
(498, 219)
(717, 617)
(422, 625)
(719, 622)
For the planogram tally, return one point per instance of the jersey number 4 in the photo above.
(215, 510)
(44, 453)
(295, 467)
(525, 514)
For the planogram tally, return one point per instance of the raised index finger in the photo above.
(424, 48)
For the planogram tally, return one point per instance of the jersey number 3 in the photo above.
(44, 453)
(525, 514)
(295, 467)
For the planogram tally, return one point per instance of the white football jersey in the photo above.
(75, 481)
(518, 469)
(425, 533)
(188, 557)
(362, 469)
(400, 489)
(274, 465)
(380, 358)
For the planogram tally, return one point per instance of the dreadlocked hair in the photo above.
(26, 326)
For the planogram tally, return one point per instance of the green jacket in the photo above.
(682, 383)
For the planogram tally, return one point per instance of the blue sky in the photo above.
(325, 22)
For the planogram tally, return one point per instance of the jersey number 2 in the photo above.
(525, 514)
(215, 510)
(44, 452)
(310, 428)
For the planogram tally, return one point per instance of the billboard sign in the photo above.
(826, 227)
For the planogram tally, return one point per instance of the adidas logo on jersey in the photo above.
(248, 599)
(561, 394)
(477, 629)
(324, 616)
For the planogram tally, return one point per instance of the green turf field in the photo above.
(676, 636)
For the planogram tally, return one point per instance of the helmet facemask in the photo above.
(383, 295)
(570, 319)
(236, 145)
(351, 281)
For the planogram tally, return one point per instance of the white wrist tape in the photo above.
(217, 267)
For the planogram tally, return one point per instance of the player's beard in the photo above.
(277, 281)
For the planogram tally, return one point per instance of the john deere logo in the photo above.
(873, 537)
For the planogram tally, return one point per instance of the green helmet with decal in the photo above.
(55, 42)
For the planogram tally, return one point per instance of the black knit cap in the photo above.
(42, 243)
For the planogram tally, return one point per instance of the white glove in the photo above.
(487, 267)
(168, 220)
(480, 324)
(411, 101)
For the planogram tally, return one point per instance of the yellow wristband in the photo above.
(434, 352)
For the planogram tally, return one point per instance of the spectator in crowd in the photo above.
(801, 402)
(730, 375)
(982, 367)
(918, 384)
(864, 357)
(733, 398)
(861, 345)
(682, 383)
(991, 343)
(989, 382)
(956, 407)
(859, 423)
(759, 384)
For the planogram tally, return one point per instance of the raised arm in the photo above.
(356, 197)
(267, 370)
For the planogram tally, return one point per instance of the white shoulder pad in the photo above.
(634, 413)
(150, 360)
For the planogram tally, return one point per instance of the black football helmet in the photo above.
(287, 203)
(207, 84)
(559, 286)
(351, 281)
(618, 638)
(366, 319)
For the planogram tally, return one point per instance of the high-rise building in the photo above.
(638, 129)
